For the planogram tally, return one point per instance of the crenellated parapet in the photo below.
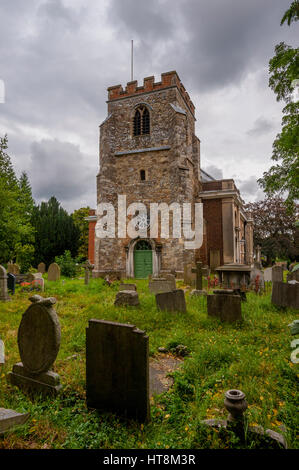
(168, 79)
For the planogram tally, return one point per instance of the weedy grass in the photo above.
(253, 356)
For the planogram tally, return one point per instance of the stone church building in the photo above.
(150, 153)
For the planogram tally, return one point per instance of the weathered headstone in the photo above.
(285, 294)
(268, 275)
(173, 301)
(53, 272)
(224, 305)
(171, 279)
(128, 286)
(198, 282)
(117, 369)
(160, 284)
(277, 274)
(293, 276)
(10, 419)
(126, 297)
(39, 342)
(32, 276)
(4, 297)
(189, 276)
(11, 283)
(88, 267)
(41, 268)
(214, 259)
(13, 268)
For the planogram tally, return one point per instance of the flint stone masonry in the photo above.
(127, 287)
(53, 272)
(285, 295)
(277, 274)
(117, 369)
(4, 297)
(173, 301)
(225, 306)
(41, 268)
(127, 297)
(39, 342)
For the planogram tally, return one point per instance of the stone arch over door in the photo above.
(156, 256)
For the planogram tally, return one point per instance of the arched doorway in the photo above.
(143, 259)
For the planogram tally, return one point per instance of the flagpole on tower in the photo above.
(131, 60)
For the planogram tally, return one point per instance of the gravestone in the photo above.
(41, 268)
(293, 276)
(285, 294)
(39, 342)
(126, 297)
(173, 301)
(277, 274)
(171, 279)
(214, 259)
(198, 281)
(128, 286)
(88, 267)
(224, 305)
(4, 297)
(53, 272)
(257, 277)
(160, 284)
(13, 268)
(268, 275)
(11, 283)
(189, 276)
(117, 369)
(32, 276)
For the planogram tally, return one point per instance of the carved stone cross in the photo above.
(198, 271)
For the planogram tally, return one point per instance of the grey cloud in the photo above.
(60, 169)
(260, 127)
(250, 189)
(215, 172)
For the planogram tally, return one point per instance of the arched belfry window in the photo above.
(141, 121)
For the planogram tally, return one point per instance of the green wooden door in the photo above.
(143, 263)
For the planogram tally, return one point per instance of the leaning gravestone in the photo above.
(224, 305)
(173, 301)
(41, 268)
(126, 297)
(4, 297)
(117, 369)
(11, 283)
(277, 274)
(39, 342)
(88, 267)
(53, 272)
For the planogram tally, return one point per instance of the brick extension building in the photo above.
(150, 153)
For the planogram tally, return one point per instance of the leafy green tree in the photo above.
(283, 177)
(274, 228)
(16, 231)
(79, 218)
(56, 231)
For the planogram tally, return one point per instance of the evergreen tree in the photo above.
(56, 231)
(79, 217)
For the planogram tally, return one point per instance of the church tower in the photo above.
(150, 154)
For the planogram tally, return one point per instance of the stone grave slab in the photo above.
(268, 275)
(225, 306)
(10, 419)
(159, 368)
(173, 301)
(127, 297)
(39, 342)
(53, 272)
(160, 284)
(117, 369)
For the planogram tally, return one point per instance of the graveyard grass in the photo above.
(253, 356)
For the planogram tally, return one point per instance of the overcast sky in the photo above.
(57, 58)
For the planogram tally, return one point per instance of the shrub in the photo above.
(67, 264)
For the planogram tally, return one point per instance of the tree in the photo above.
(283, 177)
(16, 232)
(56, 231)
(274, 228)
(79, 218)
